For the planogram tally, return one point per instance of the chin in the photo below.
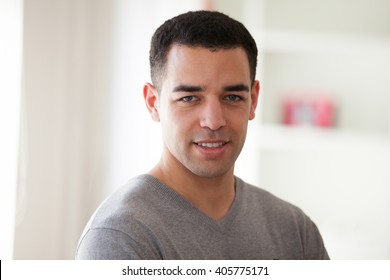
(210, 173)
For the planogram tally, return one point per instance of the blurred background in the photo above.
(74, 126)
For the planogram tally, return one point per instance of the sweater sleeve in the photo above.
(313, 245)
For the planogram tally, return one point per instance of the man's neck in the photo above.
(213, 196)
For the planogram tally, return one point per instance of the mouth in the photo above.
(211, 145)
(212, 149)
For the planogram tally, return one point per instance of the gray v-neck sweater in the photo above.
(146, 219)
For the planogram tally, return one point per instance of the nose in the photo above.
(212, 115)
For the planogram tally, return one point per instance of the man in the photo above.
(190, 205)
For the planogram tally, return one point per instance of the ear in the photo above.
(151, 101)
(255, 91)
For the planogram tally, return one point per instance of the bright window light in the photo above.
(10, 87)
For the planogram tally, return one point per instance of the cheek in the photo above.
(238, 119)
(174, 125)
(238, 127)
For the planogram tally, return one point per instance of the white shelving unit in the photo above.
(339, 176)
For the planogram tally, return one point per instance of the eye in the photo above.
(233, 98)
(188, 99)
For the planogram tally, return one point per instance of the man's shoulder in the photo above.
(284, 220)
(266, 202)
(123, 221)
(130, 194)
(128, 203)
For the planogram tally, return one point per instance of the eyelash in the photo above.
(234, 98)
(185, 99)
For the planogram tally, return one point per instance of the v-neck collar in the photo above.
(195, 214)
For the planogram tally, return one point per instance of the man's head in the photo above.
(212, 30)
(204, 92)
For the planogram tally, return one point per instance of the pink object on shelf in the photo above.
(313, 111)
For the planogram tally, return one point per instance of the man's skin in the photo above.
(204, 105)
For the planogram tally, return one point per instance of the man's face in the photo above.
(205, 103)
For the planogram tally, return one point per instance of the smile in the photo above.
(211, 145)
(212, 149)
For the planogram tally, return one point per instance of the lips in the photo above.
(211, 149)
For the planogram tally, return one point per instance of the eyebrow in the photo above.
(238, 87)
(231, 88)
(187, 88)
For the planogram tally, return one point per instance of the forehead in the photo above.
(184, 62)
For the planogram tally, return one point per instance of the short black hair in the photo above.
(208, 29)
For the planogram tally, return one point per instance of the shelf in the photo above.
(307, 138)
(312, 42)
(351, 69)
